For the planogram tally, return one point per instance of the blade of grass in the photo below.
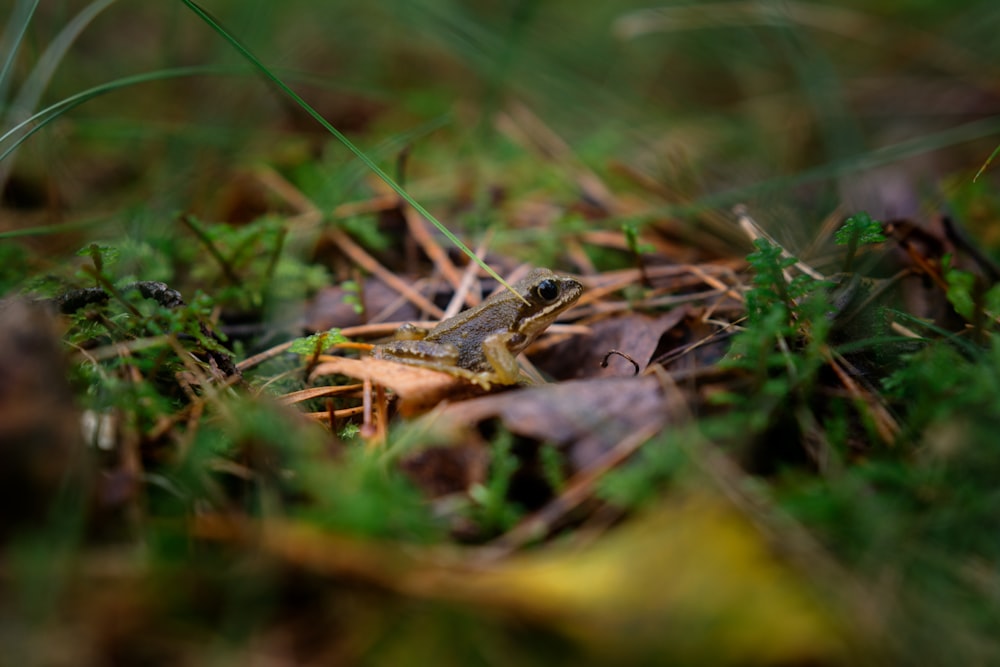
(37, 81)
(42, 230)
(13, 34)
(42, 72)
(367, 161)
(986, 164)
(50, 113)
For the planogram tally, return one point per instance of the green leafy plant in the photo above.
(912, 512)
(315, 344)
(139, 340)
(491, 509)
(360, 495)
(783, 314)
(968, 295)
(859, 229)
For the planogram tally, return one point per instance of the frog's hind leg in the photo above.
(420, 353)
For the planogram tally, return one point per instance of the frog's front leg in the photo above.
(496, 350)
(410, 332)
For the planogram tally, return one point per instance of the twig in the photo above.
(464, 293)
(293, 196)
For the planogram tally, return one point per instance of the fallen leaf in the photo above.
(585, 417)
(634, 334)
(418, 388)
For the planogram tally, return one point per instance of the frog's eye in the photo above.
(547, 290)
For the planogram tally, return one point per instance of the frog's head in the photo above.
(547, 294)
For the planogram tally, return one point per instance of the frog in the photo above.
(481, 344)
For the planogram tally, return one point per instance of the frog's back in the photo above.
(469, 329)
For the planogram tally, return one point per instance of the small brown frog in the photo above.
(481, 344)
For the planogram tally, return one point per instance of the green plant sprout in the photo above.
(859, 229)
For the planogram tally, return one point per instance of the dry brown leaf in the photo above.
(586, 418)
(634, 334)
(418, 388)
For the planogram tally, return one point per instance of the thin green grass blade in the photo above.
(394, 144)
(13, 35)
(40, 119)
(986, 164)
(964, 345)
(42, 72)
(875, 342)
(368, 162)
(57, 228)
(31, 92)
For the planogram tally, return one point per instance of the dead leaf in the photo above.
(693, 344)
(418, 388)
(585, 418)
(634, 334)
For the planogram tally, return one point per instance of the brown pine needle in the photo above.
(294, 197)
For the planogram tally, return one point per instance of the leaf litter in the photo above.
(684, 564)
(358, 490)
